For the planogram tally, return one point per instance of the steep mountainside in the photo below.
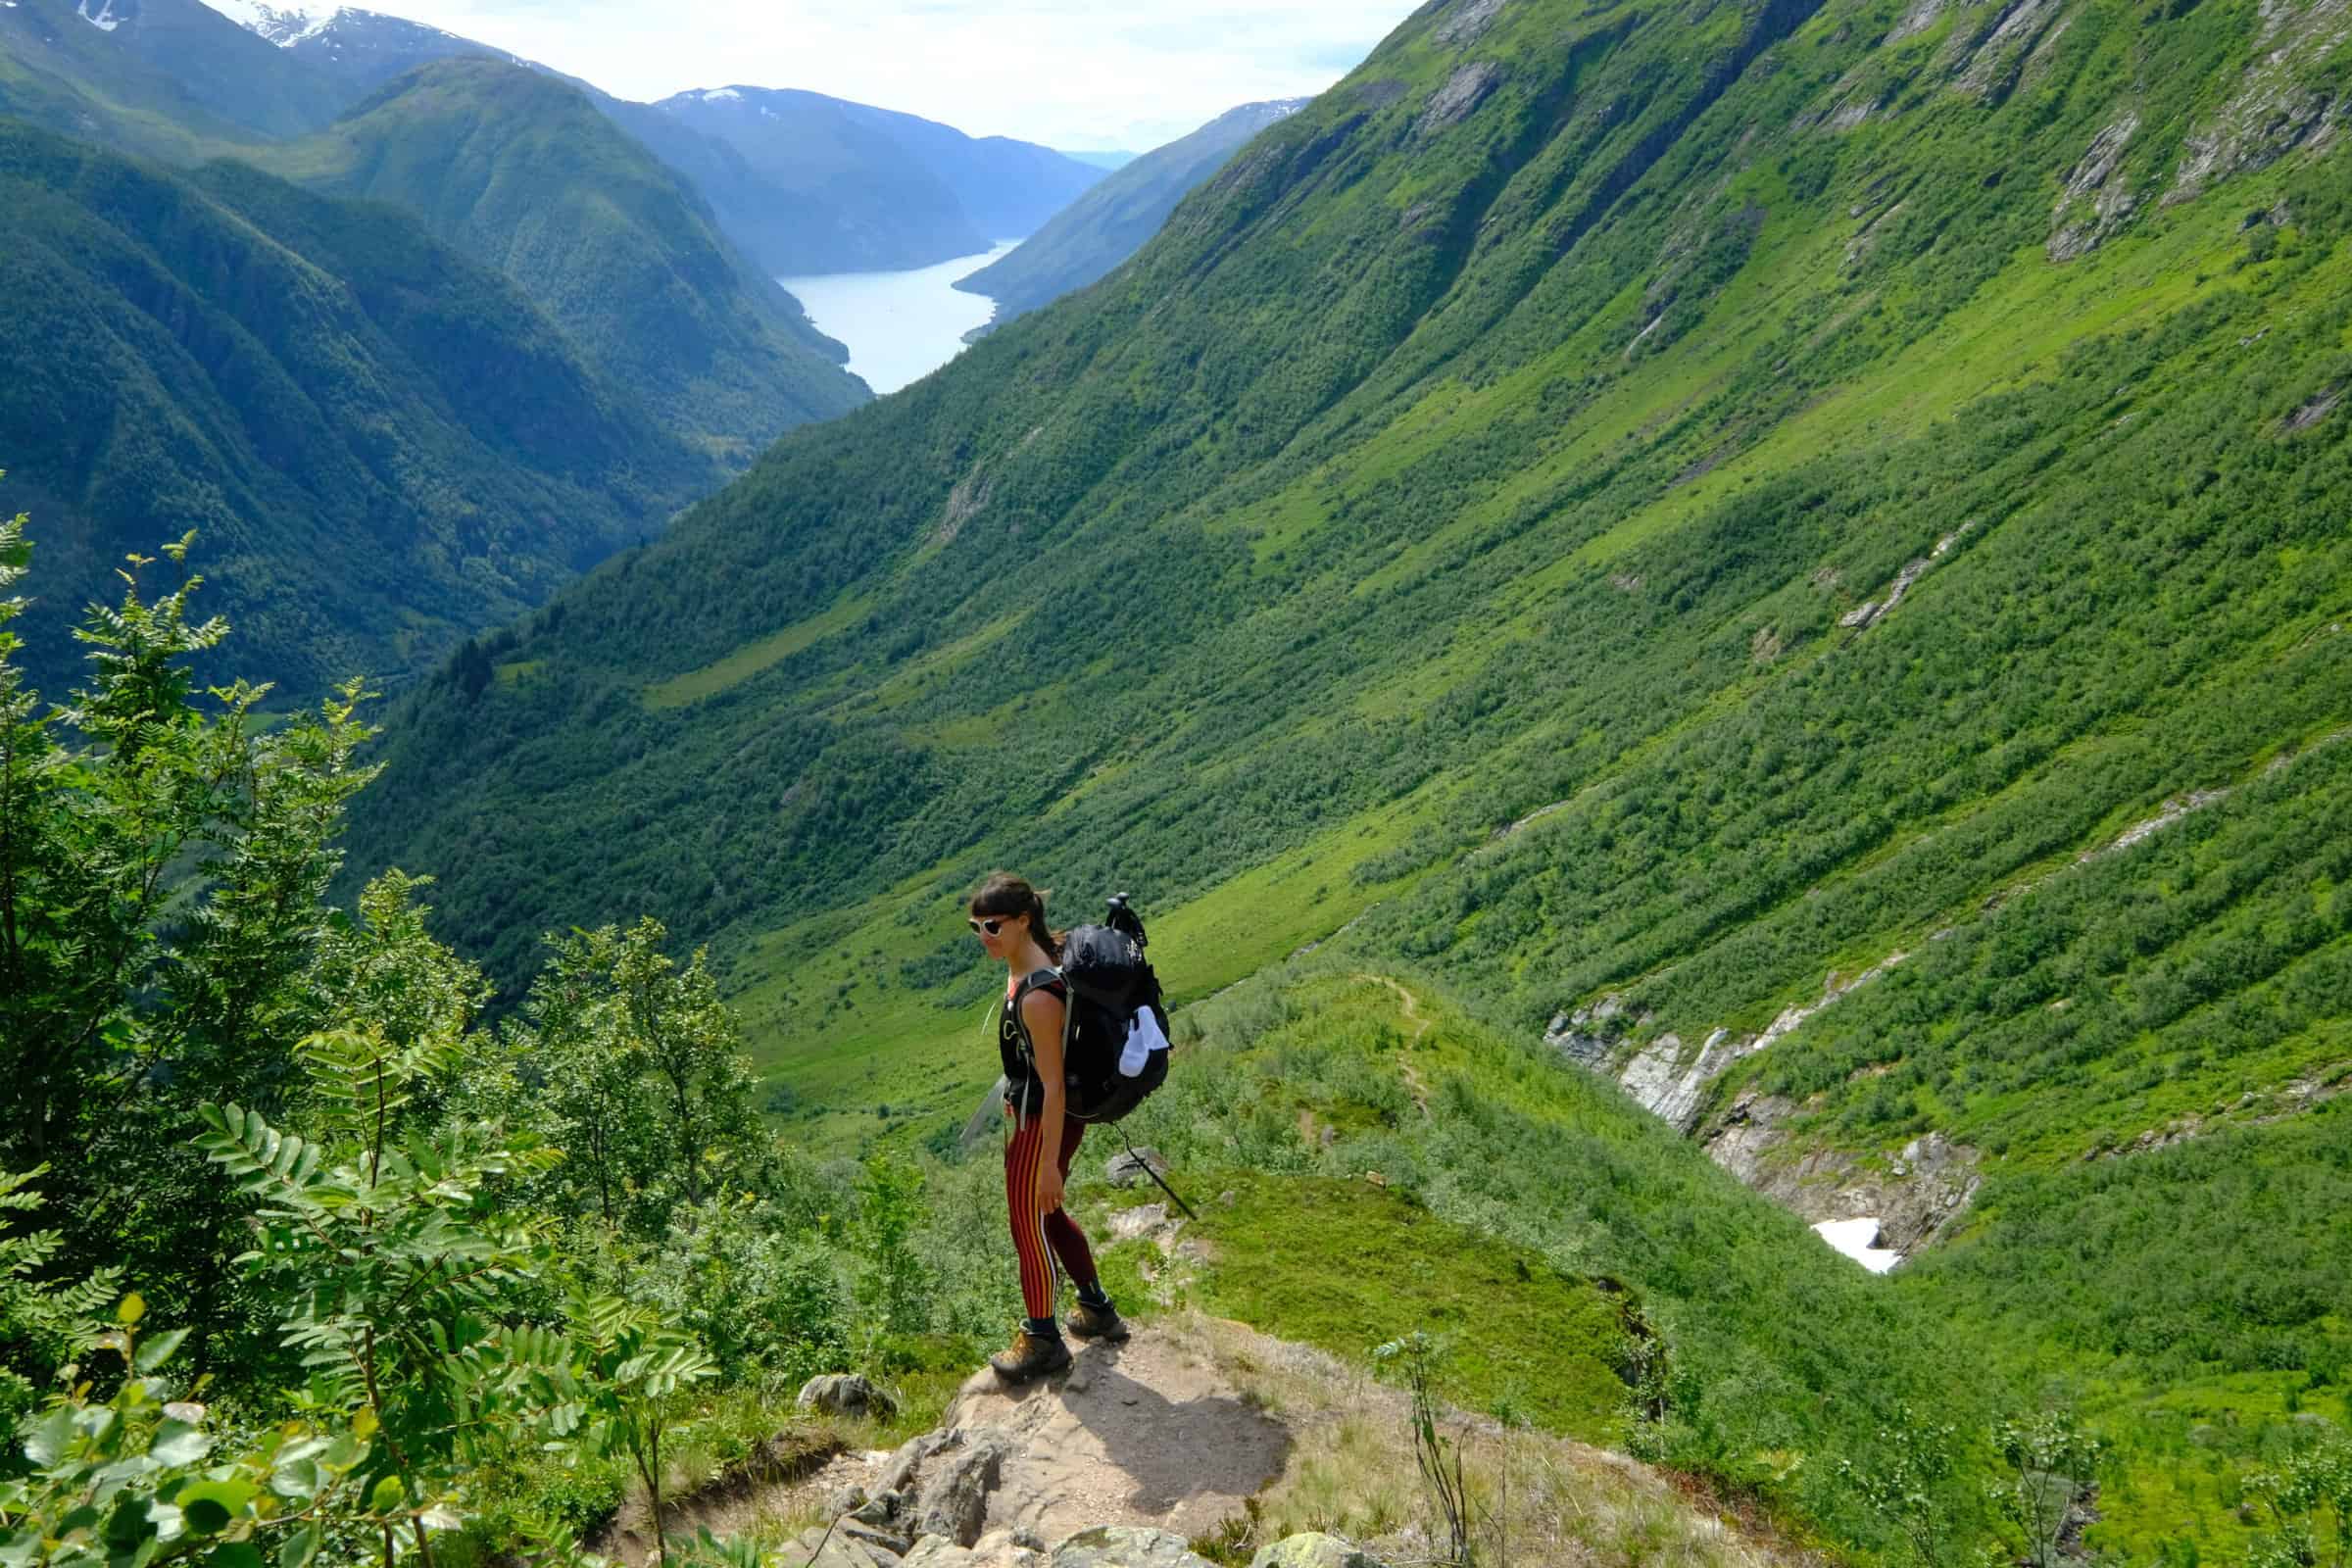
(874, 189)
(358, 51)
(1613, 514)
(169, 78)
(222, 68)
(521, 173)
(1112, 221)
(381, 444)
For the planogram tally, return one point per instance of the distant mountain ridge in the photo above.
(878, 189)
(169, 78)
(381, 444)
(1112, 221)
(520, 170)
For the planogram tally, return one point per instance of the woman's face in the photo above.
(996, 933)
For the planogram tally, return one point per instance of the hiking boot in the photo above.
(1032, 1356)
(1090, 1322)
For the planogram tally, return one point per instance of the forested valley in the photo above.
(1693, 630)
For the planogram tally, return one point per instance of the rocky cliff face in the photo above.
(1912, 1196)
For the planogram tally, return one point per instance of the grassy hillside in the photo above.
(1541, 1224)
(383, 445)
(1596, 505)
(523, 174)
(1113, 220)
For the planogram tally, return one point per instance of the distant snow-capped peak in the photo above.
(283, 26)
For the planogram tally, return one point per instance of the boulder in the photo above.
(892, 1540)
(907, 1464)
(1126, 1546)
(937, 1551)
(1008, 1549)
(1313, 1550)
(818, 1547)
(957, 1477)
(843, 1499)
(1126, 1169)
(845, 1394)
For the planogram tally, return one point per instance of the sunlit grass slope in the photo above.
(1366, 1161)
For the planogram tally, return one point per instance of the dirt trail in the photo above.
(1198, 1427)
(1410, 1006)
(1146, 1433)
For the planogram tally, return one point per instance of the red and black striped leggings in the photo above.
(1041, 1239)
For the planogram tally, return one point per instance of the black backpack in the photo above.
(1109, 984)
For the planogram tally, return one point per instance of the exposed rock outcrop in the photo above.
(2279, 105)
(1463, 91)
(1672, 1083)
(1470, 19)
(1913, 1197)
(2097, 200)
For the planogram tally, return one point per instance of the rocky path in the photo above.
(1202, 1431)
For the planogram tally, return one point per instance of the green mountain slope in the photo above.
(1112, 221)
(167, 79)
(179, 58)
(1595, 506)
(523, 174)
(1005, 186)
(383, 445)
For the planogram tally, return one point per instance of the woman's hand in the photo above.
(1049, 1182)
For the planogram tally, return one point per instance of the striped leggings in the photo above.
(1041, 1239)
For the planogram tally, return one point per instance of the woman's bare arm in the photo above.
(1041, 1016)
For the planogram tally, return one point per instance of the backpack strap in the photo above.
(1041, 980)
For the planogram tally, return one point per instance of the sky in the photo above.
(1079, 74)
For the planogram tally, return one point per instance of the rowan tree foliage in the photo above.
(164, 857)
(635, 1069)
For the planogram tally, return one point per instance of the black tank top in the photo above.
(1022, 1090)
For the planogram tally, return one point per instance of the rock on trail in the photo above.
(1144, 1436)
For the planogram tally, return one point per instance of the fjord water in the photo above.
(900, 326)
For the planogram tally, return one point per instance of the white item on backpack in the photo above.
(1144, 1037)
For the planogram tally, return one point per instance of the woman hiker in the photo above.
(1009, 917)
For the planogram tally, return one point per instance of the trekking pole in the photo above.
(1155, 1181)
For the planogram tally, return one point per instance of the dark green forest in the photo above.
(384, 444)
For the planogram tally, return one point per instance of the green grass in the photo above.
(1521, 1340)
(749, 661)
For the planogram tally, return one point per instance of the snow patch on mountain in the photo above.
(283, 26)
(105, 20)
(721, 95)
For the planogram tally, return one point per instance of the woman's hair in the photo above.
(1005, 894)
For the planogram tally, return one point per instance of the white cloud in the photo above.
(1059, 72)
